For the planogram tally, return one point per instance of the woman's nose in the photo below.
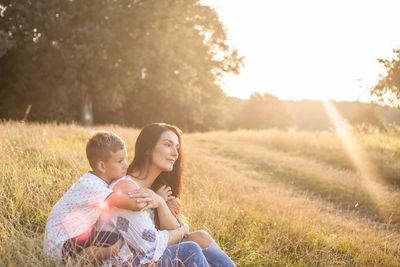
(175, 151)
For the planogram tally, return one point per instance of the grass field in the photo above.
(269, 198)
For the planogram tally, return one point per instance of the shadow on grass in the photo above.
(350, 198)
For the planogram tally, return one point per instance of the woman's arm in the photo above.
(175, 206)
(175, 236)
(166, 222)
(173, 203)
(166, 218)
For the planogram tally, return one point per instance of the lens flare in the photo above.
(76, 223)
(367, 171)
(356, 153)
(353, 149)
(104, 209)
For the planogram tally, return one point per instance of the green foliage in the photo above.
(367, 116)
(128, 62)
(388, 88)
(6, 43)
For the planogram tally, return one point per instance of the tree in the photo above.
(121, 61)
(388, 88)
(365, 116)
(188, 55)
(6, 43)
(65, 58)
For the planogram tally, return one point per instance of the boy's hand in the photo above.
(141, 195)
(146, 198)
(174, 206)
(116, 247)
(165, 192)
(155, 200)
(94, 253)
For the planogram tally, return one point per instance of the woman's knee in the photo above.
(190, 246)
(191, 254)
(200, 237)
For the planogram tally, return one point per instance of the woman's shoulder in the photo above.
(124, 178)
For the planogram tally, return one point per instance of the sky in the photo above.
(309, 49)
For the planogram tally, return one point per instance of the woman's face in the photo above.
(165, 152)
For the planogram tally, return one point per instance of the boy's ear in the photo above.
(101, 166)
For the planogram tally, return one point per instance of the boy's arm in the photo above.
(94, 253)
(127, 196)
(123, 201)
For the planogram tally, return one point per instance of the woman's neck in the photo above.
(145, 178)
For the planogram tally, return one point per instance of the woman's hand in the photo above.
(185, 228)
(174, 206)
(165, 192)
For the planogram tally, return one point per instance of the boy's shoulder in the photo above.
(87, 186)
(86, 181)
(91, 179)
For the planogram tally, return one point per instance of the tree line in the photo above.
(129, 62)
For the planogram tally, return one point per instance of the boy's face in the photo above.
(116, 166)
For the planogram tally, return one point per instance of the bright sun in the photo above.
(309, 49)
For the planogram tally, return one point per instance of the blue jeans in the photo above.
(186, 253)
(216, 257)
(180, 255)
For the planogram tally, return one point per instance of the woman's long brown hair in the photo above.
(145, 144)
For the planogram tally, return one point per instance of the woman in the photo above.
(158, 162)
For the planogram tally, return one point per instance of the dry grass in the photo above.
(269, 198)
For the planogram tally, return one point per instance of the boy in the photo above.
(70, 228)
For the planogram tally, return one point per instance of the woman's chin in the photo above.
(169, 168)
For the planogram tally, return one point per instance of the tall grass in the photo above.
(269, 198)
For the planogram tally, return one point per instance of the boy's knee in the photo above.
(200, 237)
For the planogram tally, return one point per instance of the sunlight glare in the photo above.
(353, 149)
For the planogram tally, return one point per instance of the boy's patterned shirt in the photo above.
(75, 213)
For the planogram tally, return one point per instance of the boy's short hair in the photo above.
(100, 144)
